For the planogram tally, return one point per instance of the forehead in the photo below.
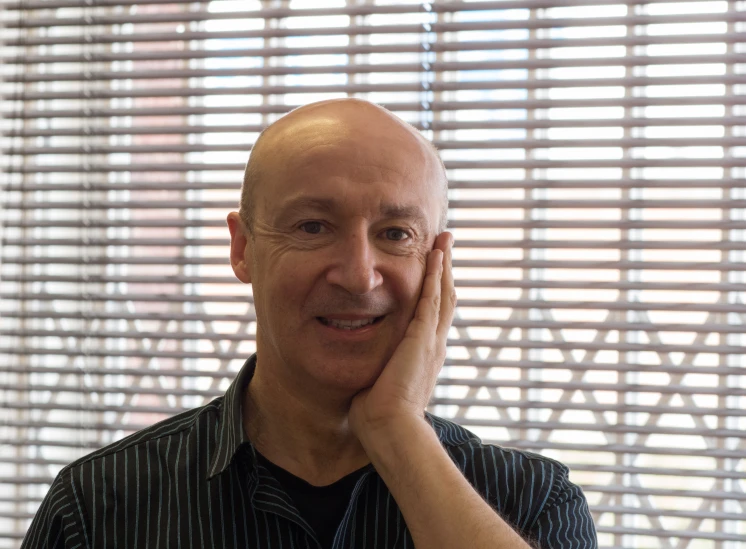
(370, 168)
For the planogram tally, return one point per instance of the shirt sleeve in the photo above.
(56, 524)
(565, 522)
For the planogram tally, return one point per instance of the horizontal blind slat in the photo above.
(30, 21)
(688, 410)
(726, 224)
(545, 445)
(436, 126)
(454, 204)
(484, 364)
(279, 32)
(724, 265)
(367, 68)
(29, 350)
(459, 283)
(403, 47)
(538, 426)
(437, 106)
(437, 8)
(472, 244)
(11, 94)
(452, 184)
(470, 342)
(526, 144)
(704, 162)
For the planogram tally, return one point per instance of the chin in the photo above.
(349, 375)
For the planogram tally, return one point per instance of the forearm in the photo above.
(440, 507)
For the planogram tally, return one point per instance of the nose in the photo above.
(354, 266)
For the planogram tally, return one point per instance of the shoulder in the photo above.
(509, 478)
(77, 499)
(492, 465)
(530, 491)
(465, 447)
(171, 427)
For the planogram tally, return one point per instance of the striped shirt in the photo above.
(194, 481)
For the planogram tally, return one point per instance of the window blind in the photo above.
(595, 152)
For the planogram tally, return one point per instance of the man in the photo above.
(322, 440)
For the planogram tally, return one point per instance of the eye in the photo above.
(397, 235)
(311, 227)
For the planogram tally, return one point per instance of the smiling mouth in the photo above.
(349, 324)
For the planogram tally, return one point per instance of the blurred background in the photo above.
(596, 152)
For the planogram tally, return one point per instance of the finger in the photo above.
(428, 307)
(447, 292)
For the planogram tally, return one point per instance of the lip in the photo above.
(356, 334)
(349, 317)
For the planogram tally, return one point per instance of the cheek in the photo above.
(408, 284)
(287, 279)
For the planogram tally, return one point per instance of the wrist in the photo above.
(387, 439)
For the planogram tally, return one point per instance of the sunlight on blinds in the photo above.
(595, 153)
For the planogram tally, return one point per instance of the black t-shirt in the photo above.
(321, 506)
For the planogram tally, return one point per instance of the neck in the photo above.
(302, 429)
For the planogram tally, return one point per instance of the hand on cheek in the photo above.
(404, 387)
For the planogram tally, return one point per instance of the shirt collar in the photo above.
(231, 434)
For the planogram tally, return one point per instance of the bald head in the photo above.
(336, 122)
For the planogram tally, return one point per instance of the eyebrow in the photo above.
(329, 205)
(326, 205)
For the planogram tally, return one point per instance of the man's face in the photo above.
(344, 218)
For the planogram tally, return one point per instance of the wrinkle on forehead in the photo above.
(354, 126)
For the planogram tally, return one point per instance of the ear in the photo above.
(241, 251)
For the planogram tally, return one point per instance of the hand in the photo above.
(403, 389)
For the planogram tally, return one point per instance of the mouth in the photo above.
(349, 325)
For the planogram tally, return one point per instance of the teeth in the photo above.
(349, 324)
